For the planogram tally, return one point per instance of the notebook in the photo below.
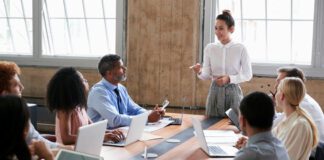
(135, 131)
(90, 138)
(212, 150)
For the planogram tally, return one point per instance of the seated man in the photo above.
(10, 85)
(108, 99)
(256, 117)
(308, 103)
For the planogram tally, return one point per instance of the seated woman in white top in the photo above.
(297, 130)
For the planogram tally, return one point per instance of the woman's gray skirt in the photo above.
(222, 98)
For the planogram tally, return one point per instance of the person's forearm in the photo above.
(68, 139)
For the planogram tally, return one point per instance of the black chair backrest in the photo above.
(319, 155)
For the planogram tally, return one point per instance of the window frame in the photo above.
(314, 70)
(37, 59)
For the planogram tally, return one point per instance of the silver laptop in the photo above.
(135, 131)
(177, 121)
(212, 150)
(90, 138)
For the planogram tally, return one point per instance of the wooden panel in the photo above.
(35, 80)
(190, 50)
(176, 50)
(315, 89)
(151, 52)
(165, 55)
(258, 84)
(202, 88)
(133, 49)
(168, 33)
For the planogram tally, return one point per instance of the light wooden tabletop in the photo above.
(186, 149)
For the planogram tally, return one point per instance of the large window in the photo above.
(60, 32)
(16, 27)
(275, 32)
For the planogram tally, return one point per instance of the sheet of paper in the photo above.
(150, 127)
(219, 133)
(148, 136)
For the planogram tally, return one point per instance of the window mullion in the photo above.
(292, 56)
(121, 27)
(105, 23)
(68, 27)
(37, 28)
(49, 33)
(266, 32)
(241, 8)
(86, 25)
(26, 26)
(318, 35)
(9, 25)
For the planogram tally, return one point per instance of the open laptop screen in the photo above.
(90, 138)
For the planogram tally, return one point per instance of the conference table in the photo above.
(187, 148)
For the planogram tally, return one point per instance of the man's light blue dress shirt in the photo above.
(33, 134)
(102, 104)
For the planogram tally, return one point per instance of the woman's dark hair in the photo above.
(14, 117)
(66, 90)
(258, 109)
(227, 17)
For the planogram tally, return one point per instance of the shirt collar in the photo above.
(108, 85)
(228, 45)
(263, 135)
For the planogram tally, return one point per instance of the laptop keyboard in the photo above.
(216, 150)
(176, 121)
(112, 142)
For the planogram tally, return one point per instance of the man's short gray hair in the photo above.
(107, 63)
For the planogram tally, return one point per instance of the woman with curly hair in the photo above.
(67, 95)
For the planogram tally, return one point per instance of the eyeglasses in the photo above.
(84, 80)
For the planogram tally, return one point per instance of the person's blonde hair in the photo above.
(294, 91)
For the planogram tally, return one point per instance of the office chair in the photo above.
(319, 154)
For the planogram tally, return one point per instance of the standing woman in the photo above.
(297, 130)
(227, 64)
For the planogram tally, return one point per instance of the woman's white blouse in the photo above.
(231, 59)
